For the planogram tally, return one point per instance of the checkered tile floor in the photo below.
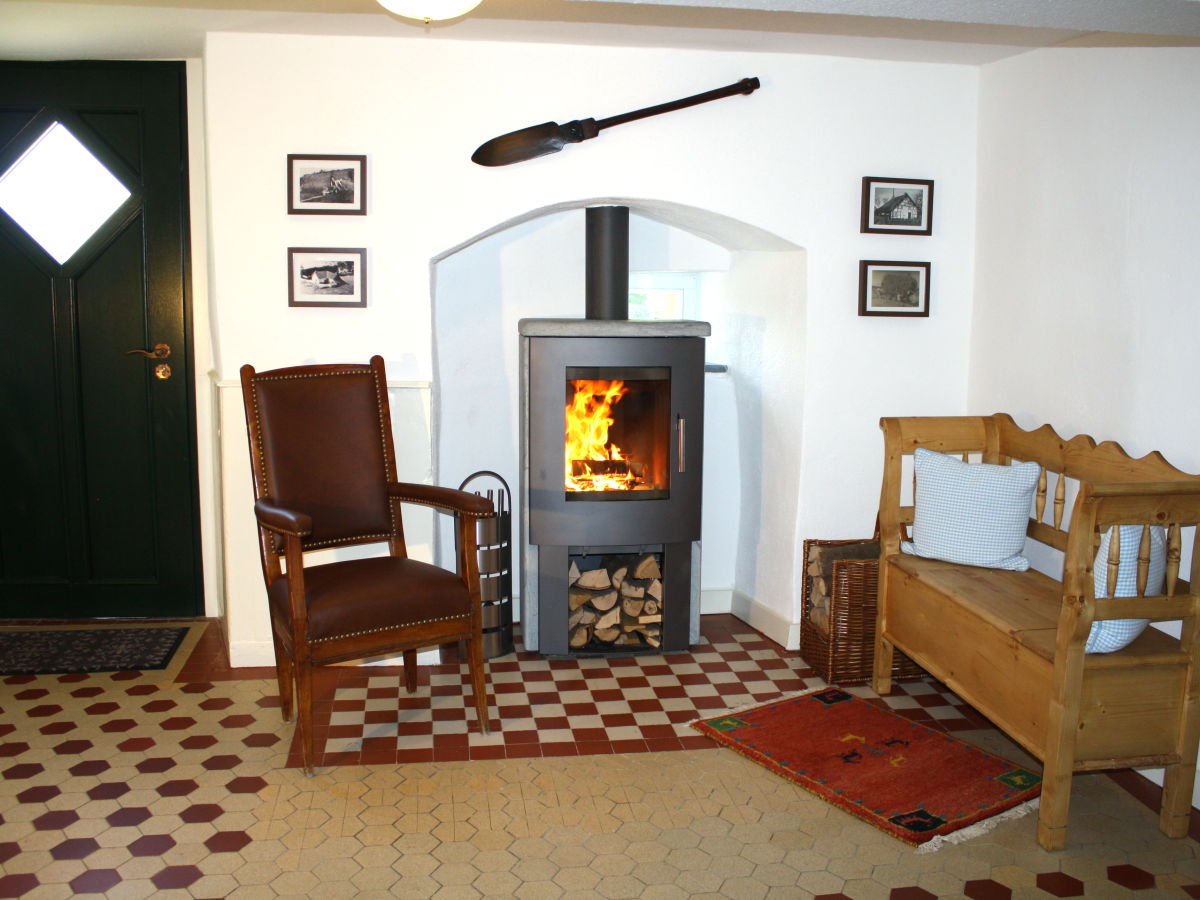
(570, 707)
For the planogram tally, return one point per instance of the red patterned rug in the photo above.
(907, 779)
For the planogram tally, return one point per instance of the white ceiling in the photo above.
(951, 31)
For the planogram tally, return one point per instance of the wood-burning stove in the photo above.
(611, 462)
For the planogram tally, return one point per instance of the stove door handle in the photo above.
(681, 442)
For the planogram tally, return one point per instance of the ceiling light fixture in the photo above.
(429, 10)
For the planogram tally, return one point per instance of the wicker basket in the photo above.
(847, 653)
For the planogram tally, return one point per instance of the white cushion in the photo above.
(1113, 634)
(971, 513)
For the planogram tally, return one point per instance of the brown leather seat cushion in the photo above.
(364, 595)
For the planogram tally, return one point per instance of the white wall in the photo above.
(1086, 246)
(1086, 315)
(788, 159)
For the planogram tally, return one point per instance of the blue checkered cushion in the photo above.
(1113, 634)
(971, 513)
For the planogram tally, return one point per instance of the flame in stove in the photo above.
(589, 416)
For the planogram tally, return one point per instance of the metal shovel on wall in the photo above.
(550, 137)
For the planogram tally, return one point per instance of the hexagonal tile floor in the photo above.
(129, 785)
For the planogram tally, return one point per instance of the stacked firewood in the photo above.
(617, 603)
(819, 572)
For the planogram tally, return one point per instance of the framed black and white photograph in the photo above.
(326, 276)
(888, 288)
(327, 185)
(897, 206)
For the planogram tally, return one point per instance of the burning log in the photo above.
(625, 469)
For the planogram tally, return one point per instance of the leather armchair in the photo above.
(325, 476)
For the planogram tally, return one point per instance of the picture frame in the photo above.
(321, 184)
(897, 206)
(327, 276)
(893, 288)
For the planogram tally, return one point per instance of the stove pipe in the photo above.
(607, 262)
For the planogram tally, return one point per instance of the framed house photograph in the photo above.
(324, 276)
(897, 206)
(893, 288)
(326, 185)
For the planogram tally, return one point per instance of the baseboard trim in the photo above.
(1150, 795)
(243, 654)
(762, 618)
(714, 601)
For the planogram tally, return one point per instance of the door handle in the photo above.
(681, 445)
(160, 351)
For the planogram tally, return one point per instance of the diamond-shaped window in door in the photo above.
(59, 192)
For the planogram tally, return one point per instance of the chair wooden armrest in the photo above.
(443, 498)
(282, 520)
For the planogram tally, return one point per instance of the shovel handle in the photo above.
(745, 86)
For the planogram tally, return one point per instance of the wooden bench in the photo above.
(1011, 643)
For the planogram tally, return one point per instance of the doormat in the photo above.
(62, 650)
(915, 783)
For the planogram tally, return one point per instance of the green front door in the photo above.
(98, 496)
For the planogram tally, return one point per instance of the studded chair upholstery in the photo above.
(325, 476)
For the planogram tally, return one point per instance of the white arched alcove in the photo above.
(532, 266)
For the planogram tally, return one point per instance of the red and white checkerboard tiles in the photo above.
(578, 706)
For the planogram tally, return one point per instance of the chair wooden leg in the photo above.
(304, 721)
(478, 680)
(285, 675)
(410, 670)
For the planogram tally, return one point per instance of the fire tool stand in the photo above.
(494, 534)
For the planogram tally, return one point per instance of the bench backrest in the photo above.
(1076, 473)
